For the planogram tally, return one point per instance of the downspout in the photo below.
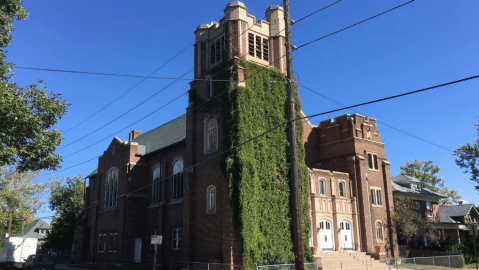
(369, 208)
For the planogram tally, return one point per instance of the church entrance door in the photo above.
(326, 235)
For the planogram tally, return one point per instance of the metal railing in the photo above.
(426, 263)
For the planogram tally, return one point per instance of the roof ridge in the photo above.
(151, 130)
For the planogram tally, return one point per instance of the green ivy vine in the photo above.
(259, 171)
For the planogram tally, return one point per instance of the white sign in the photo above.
(156, 239)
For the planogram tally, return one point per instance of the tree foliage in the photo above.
(27, 115)
(467, 157)
(409, 222)
(427, 172)
(67, 202)
(20, 195)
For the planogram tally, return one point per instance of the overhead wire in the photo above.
(352, 25)
(296, 119)
(402, 131)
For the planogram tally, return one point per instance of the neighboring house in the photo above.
(452, 222)
(350, 187)
(456, 221)
(37, 229)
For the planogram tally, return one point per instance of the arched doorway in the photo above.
(346, 235)
(326, 235)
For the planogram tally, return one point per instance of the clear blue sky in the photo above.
(419, 45)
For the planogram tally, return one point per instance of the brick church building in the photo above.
(169, 181)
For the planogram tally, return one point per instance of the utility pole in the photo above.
(298, 243)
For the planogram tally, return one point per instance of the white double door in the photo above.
(326, 235)
(346, 235)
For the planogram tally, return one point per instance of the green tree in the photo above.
(67, 202)
(427, 173)
(26, 114)
(467, 157)
(409, 223)
(20, 195)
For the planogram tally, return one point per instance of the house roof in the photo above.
(447, 212)
(425, 192)
(163, 136)
(404, 179)
(93, 173)
(31, 230)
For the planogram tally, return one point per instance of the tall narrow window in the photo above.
(373, 161)
(114, 242)
(378, 196)
(265, 49)
(251, 44)
(258, 47)
(176, 239)
(379, 231)
(218, 50)
(342, 189)
(178, 179)
(211, 134)
(211, 200)
(212, 53)
(322, 187)
(111, 188)
(110, 243)
(156, 188)
(373, 196)
(429, 209)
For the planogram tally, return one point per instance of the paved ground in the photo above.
(64, 266)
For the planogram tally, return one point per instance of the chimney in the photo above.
(133, 135)
(461, 202)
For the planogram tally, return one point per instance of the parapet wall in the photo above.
(348, 126)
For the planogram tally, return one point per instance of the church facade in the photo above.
(171, 181)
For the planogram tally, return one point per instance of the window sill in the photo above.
(108, 209)
(211, 212)
(375, 170)
(377, 205)
(207, 152)
(156, 204)
(175, 201)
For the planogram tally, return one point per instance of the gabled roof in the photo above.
(404, 179)
(93, 173)
(31, 230)
(424, 192)
(447, 212)
(163, 136)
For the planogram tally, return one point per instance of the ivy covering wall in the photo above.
(259, 171)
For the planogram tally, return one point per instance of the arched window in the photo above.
(178, 179)
(379, 230)
(111, 188)
(156, 187)
(211, 134)
(211, 200)
(322, 187)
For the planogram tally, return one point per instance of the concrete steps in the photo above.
(348, 260)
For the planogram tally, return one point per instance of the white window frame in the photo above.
(429, 209)
(211, 200)
(216, 47)
(322, 187)
(376, 197)
(177, 179)
(379, 230)
(342, 192)
(176, 239)
(373, 161)
(211, 134)
(156, 185)
(111, 188)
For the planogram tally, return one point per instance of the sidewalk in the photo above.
(64, 266)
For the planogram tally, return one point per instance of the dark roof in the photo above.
(93, 173)
(31, 230)
(426, 192)
(404, 179)
(163, 136)
(447, 212)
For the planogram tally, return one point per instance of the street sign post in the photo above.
(156, 240)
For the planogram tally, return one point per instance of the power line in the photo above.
(302, 18)
(123, 114)
(104, 107)
(347, 107)
(352, 25)
(414, 136)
